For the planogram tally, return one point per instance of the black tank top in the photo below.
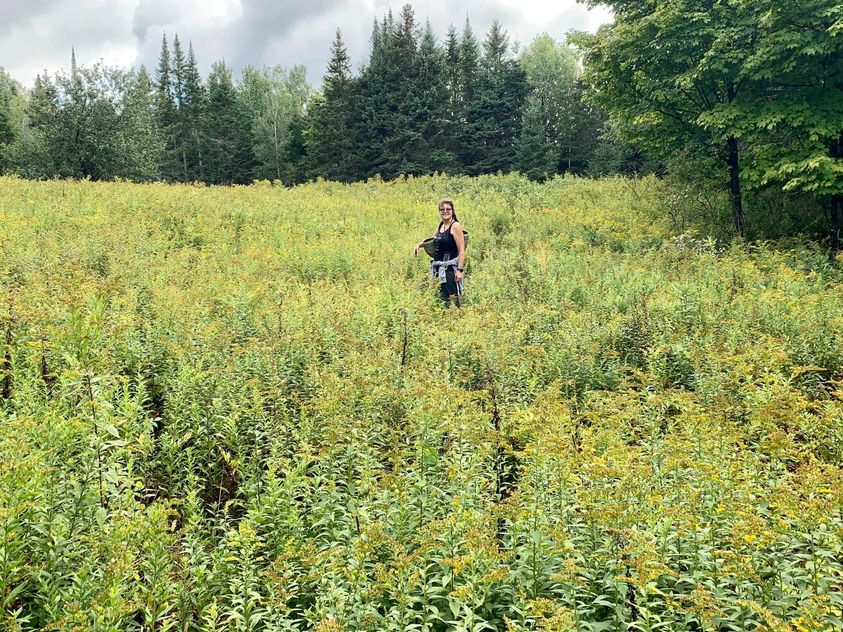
(446, 245)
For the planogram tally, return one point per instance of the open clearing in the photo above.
(243, 408)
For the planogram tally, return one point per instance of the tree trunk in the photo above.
(735, 185)
(835, 211)
(275, 145)
(734, 174)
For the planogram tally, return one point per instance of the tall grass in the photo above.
(243, 409)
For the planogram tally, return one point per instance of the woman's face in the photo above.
(446, 211)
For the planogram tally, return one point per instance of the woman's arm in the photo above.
(418, 245)
(459, 238)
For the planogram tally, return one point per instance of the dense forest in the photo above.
(740, 103)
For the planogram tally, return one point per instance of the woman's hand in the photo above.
(457, 276)
(416, 250)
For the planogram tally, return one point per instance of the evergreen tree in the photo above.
(402, 106)
(167, 115)
(178, 69)
(190, 116)
(295, 162)
(375, 103)
(469, 67)
(405, 118)
(228, 139)
(432, 107)
(139, 143)
(454, 117)
(331, 118)
(466, 81)
(494, 114)
(535, 155)
(452, 65)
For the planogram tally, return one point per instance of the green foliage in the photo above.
(242, 408)
(669, 92)
(9, 91)
(93, 123)
(755, 84)
(794, 113)
(615, 153)
(331, 118)
(273, 98)
(494, 114)
(227, 136)
(560, 129)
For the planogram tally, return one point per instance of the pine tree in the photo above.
(535, 156)
(140, 142)
(167, 114)
(454, 116)
(404, 119)
(469, 66)
(466, 85)
(331, 118)
(192, 108)
(433, 106)
(178, 68)
(228, 140)
(373, 103)
(494, 115)
(295, 151)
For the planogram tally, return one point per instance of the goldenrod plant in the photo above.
(243, 408)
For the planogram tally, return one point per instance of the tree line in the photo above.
(743, 97)
(416, 106)
(750, 91)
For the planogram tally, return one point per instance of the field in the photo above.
(243, 409)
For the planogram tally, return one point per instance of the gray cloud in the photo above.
(13, 13)
(150, 13)
(39, 34)
(266, 21)
(43, 38)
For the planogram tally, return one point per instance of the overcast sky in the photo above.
(38, 34)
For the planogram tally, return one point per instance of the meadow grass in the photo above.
(244, 409)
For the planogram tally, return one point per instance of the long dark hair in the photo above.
(453, 208)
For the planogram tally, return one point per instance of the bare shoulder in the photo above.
(456, 227)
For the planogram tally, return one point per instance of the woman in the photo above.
(449, 254)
